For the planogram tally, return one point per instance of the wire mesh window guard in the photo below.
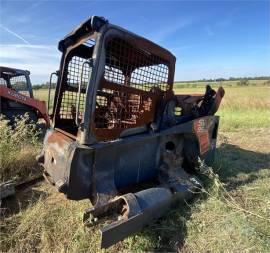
(19, 83)
(152, 76)
(114, 75)
(120, 109)
(3, 81)
(68, 105)
(77, 72)
(132, 67)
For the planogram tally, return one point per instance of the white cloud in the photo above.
(35, 5)
(40, 60)
(165, 31)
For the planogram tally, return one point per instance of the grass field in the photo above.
(232, 215)
(227, 83)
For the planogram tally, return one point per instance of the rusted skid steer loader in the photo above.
(16, 96)
(120, 136)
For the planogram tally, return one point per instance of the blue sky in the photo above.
(210, 39)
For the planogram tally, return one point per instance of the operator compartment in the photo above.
(115, 91)
(135, 79)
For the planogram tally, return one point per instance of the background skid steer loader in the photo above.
(120, 136)
(16, 96)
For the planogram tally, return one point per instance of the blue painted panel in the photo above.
(136, 162)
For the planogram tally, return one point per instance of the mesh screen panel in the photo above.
(77, 72)
(19, 83)
(68, 105)
(127, 65)
(69, 99)
(114, 75)
(131, 66)
(3, 81)
(120, 109)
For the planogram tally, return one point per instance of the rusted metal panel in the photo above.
(201, 130)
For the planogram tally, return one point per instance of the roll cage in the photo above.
(110, 82)
(17, 80)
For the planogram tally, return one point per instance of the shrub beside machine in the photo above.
(119, 136)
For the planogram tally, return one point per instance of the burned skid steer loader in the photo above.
(16, 96)
(119, 135)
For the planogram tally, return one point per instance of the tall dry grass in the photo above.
(19, 144)
(241, 108)
(223, 219)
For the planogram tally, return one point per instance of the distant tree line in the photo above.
(44, 86)
(242, 81)
(227, 79)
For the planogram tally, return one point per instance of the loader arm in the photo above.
(40, 106)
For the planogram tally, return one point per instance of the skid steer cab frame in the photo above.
(120, 136)
(16, 96)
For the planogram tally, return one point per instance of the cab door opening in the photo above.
(76, 74)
